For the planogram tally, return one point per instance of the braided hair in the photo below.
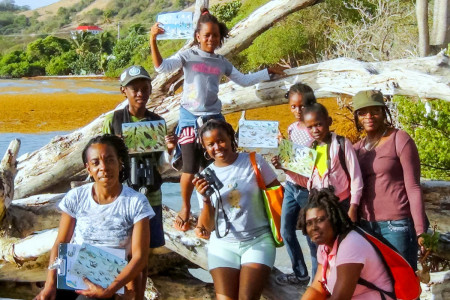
(218, 124)
(206, 17)
(305, 90)
(326, 200)
(119, 147)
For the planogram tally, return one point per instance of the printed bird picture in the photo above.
(144, 137)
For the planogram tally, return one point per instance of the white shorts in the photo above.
(224, 254)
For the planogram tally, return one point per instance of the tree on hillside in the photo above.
(44, 50)
(84, 42)
(10, 5)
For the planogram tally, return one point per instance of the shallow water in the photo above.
(50, 86)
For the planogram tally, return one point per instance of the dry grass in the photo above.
(52, 112)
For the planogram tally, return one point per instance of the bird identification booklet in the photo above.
(296, 158)
(100, 265)
(176, 25)
(145, 137)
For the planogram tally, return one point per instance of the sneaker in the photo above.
(285, 279)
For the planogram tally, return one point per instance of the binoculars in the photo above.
(211, 177)
(142, 174)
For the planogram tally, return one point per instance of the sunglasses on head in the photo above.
(374, 111)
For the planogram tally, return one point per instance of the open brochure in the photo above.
(296, 158)
(145, 137)
(100, 265)
(177, 25)
(258, 134)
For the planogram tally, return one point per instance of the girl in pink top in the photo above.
(295, 192)
(328, 170)
(339, 271)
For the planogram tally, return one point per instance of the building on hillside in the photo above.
(86, 28)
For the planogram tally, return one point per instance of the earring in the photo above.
(206, 155)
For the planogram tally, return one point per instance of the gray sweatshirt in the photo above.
(202, 74)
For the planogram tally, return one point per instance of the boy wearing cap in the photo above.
(135, 85)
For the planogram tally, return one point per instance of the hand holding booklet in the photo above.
(296, 158)
(100, 265)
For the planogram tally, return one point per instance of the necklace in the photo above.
(370, 146)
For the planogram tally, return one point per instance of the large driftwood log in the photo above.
(62, 155)
(8, 167)
(59, 161)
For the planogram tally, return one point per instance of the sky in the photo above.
(34, 3)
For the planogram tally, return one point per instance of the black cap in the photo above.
(132, 73)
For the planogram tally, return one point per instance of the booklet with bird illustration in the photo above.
(100, 265)
(176, 25)
(145, 137)
(296, 158)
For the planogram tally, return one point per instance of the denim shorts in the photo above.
(224, 254)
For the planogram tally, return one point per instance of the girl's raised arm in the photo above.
(156, 56)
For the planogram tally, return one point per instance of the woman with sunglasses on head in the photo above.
(338, 272)
(391, 204)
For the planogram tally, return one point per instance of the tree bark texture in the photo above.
(441, 25)
(422, 24)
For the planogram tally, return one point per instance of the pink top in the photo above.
(391, 174)
(354, 249)
(298, 134)
(336, 175)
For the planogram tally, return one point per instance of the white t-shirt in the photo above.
(242, 199)
(108, 225)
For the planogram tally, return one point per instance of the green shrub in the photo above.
(285, 40)
(430, 131)
(245, 10)
(227, 11)
(62, 65)
(21, 69)
(45, 49)
(88, 63)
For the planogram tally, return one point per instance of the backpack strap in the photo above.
(341, 154)
(364, 282)
(368, 284)
(121, 116)
(372, 286)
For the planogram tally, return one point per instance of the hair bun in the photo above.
(204, 11)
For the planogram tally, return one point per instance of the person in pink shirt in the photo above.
(344, 256)
(392, 204)
(295, 192)
(336, 163)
